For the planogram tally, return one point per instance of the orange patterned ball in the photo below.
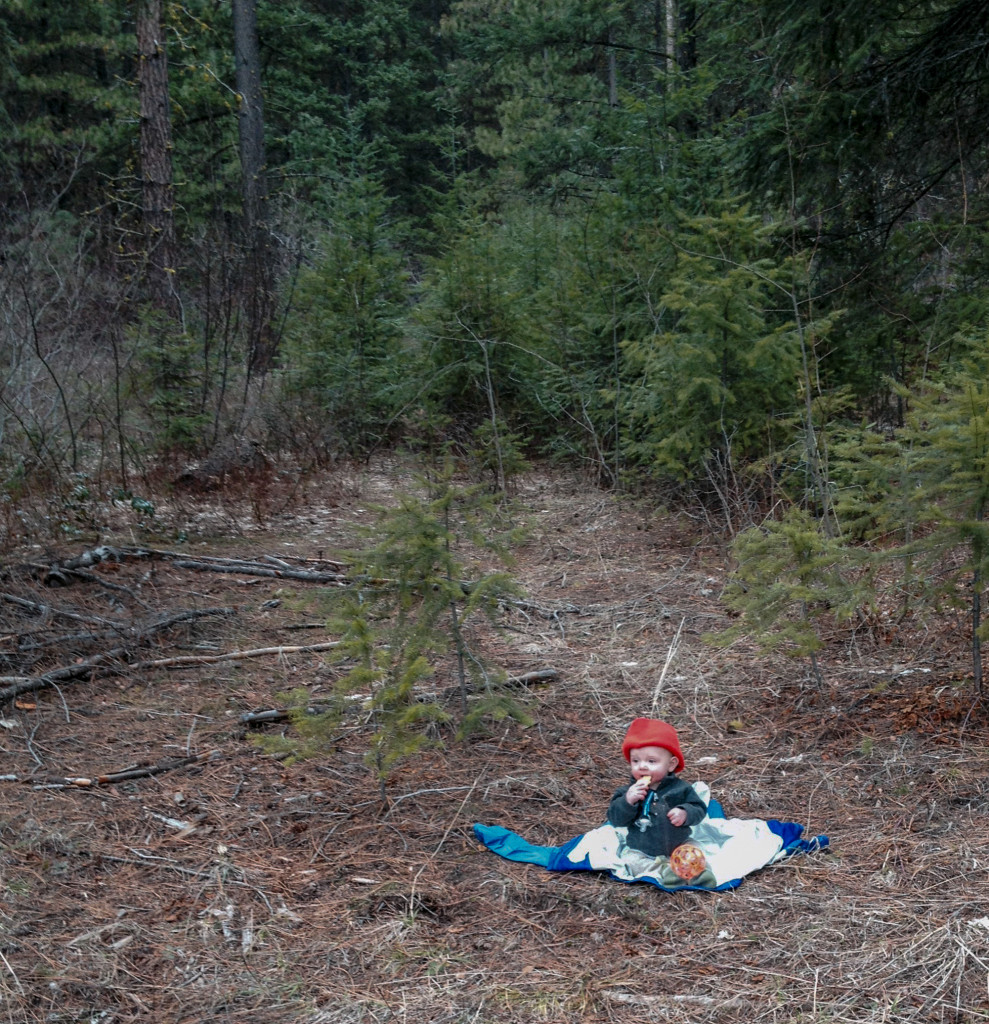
(688, 861)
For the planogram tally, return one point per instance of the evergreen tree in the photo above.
(918, 496)
(532, 82)
(722, 372)
(869, 133)
(64, 100)
(412, 601)
(947, 468)
(346, 369)
(790, 575)
(354, 82)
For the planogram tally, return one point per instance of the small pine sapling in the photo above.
(416, 590)
(948, 436)
(789, 576)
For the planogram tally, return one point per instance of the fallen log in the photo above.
(275, 715)
(252, 569)
(544, 675)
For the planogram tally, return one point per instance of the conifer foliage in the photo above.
(418, 586)
(790, 578)
(724, 250)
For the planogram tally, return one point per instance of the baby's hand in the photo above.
(677, 816)
(636, 793)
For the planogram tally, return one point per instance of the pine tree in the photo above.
(345, 367)
(947, 469)
(790, 575)
(412, 601)
(722, 371)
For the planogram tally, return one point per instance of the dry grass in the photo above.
(243, 890)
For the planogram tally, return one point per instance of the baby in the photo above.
(657, 808)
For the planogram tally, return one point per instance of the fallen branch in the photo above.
(540, 676)
(543, 613)
(282, 714)
(670, 655)
(92, 577)
(276, 569)
(87, 667)
(276, 715)
(252, 569)
(100, 664)
(61, 573)
(110, 779)
(209, 659)
(642, 999)
(47, 609)
(146, 860)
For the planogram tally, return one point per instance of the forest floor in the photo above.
(207, 880)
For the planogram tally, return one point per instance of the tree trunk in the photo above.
(156, 158)
(259, 296)
(671, 34)
(978, 552)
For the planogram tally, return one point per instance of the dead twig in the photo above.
(670, 655)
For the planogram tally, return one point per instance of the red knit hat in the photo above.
(651, 732)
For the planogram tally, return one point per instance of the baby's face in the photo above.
(656, 762)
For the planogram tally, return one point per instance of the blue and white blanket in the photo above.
(733, 848)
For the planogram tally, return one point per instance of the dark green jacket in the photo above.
(649, 829)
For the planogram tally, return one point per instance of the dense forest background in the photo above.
(733, 253)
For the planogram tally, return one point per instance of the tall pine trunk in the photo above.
(158, 204)
(259, 279)
(978, 553)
